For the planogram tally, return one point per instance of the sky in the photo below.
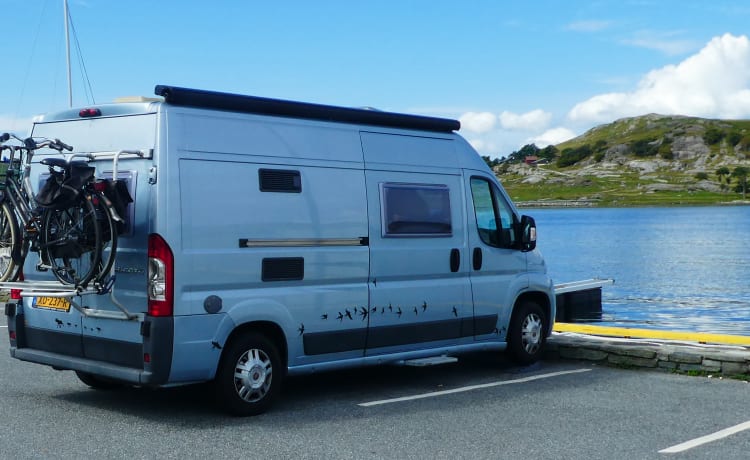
(513, 72)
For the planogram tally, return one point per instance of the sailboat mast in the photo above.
(67, 53)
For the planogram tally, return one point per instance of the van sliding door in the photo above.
(419, 289)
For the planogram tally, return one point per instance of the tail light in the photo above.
(88, 113)
(160, 277)
(15, 294)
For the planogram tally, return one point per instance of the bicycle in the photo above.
(71, 223)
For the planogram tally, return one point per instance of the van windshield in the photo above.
(97, 135)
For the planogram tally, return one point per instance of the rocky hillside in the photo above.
(651, 159)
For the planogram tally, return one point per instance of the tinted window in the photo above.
(412, 210)
(495, 218)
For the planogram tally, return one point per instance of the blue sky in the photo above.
(512, 72)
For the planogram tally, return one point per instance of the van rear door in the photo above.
(100, 331)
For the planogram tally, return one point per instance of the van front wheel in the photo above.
(527, 333)
(249, 376)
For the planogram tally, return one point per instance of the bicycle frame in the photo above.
(21, 196)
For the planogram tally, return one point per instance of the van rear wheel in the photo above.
(527, 333)
(249, 375)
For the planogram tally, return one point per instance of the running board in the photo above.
(430, 361)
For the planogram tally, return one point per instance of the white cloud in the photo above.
(530, 121)
(552, 136)
(588, 26)
(715, 83)
(478, 122)
(664, 42)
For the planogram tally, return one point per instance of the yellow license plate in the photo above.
(52, 303)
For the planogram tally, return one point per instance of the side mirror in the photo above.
(528, 233)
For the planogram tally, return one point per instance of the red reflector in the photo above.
(84, 113)
(15, 294)
(12, 335)
(100, 186)
(146, 358)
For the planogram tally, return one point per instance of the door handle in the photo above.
(476, 259)
(455, 260)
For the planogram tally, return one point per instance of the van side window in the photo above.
(495, 219)
(416, 210)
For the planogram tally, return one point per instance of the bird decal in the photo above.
(324, 316)
(301, 329)
(455, 312)
(424, 306)
(340, 317)
(348, 314)
(399, 312)
(363, 313)
(416, 312)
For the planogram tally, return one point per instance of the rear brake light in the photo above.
(12, 335)
(160, 277)
(15, 294)
(86, 113)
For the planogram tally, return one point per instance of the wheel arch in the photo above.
(271, 330)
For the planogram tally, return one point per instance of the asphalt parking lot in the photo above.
(481, 407)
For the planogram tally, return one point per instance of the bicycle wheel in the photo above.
(10, 242)
(108, 230)
(71, 242)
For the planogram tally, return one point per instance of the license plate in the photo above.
(52, 303)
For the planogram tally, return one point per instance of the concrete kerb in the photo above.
(668, 355)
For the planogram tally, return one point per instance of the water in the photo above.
(684, 269)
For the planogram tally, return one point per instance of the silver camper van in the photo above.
(269, 238)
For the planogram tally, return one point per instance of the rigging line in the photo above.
(29, 63)
(87, 88)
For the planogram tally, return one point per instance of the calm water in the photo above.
(674, 268)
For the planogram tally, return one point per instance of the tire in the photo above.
(97, 383)
(108, 231)
(10, 244)
(249, 376)
(71, 241)
(527, 333)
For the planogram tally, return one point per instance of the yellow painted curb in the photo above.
(700, 337)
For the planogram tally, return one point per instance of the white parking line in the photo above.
(471, 388)
(706, 439)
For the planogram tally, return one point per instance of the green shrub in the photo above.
(734, 138)
(713, 136)
(571, 156)
(644, 148)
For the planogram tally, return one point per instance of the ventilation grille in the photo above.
(283, 269)
(279, 180)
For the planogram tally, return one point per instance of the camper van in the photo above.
(270, 238)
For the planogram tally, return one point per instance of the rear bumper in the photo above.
(146, 363)
(98, 368)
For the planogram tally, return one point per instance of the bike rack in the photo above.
(59, 290)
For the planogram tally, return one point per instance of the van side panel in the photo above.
(266, 232)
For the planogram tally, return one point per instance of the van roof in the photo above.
(278, 107)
